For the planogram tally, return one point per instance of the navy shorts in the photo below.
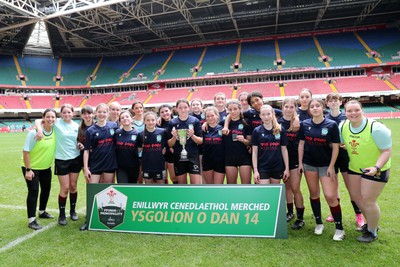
(192, 166)
(168, 156)
(238, 160)
(64, 167)
(268, 175)
(154, 175)
(382, 178)
(342, 162)
(214, 165)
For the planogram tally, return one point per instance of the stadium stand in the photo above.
(339, 46)
(258, 55)
(182, 62)
(75, 71)
(360, 84)
(219, 59)
(8, 71)
(266, 89)
(208, 92)
(39, 70)
(168, 96)
(385, 41)
(74, 100)
(299, 52)
(13, 102)
(317, 86)
(148, 65)
(128, 98)
(395, 80)
(112, 68)
(95, 99)
(42, 101)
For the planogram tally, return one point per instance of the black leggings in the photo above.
(42, 177)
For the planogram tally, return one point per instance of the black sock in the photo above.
(355, 207)
(300, 213)
(289, 208)
(316, 208)
(72, 201)
(61, 205)
(337, 216)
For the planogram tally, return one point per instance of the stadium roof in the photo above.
(118, 27)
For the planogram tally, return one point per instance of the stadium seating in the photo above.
(219, 59)
(299, 52)
(258, 55)
(181, 63)
(317, 87)
(39, 70)
(395, 80)
(378, 108)
(360, 84)
(13, 102)
(385, 41)
(168, 96)
(42, 101)
(75, 71)
(8, 71)
(74, 100)
(340, 46)
(112, 68)
(95, 99)
(207, 92)
(266, 89)
(128, 98)
(148, 65)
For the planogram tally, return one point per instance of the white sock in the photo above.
(31, 219)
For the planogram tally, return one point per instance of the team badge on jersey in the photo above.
(133, 137)
(278, 136)
(112, 131)
(220, 132)
(240, 126)
(145, 175)
(324, 131)
(191, 126)
(158, 137)
(203, 116)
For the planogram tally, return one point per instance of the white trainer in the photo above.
(339, 235)
(319, 228)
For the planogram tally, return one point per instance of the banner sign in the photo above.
(241, 210)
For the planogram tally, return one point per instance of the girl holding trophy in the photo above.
(184, 135)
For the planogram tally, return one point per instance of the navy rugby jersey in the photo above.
(153, 143)
(292, 138)
(213, 146)
(100, 142)
(338, 119)
(222, 115)
(201, 117)
(127, 144)
(236, 148)
(191, 146)
(253, 117)
(303, 114)
(269, 149)
(317, 139)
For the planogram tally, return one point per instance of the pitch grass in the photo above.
(67, 246)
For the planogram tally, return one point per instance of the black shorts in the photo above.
(169, 157)
(154, 175)
(106, 171)
(293, 163)
(192, 166)
(382, 178)
(128, 175)
(214, 165)
(268, 175)
(64, 167)
(238, 160)
(342, 162)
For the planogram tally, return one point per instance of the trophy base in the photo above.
(183, 159)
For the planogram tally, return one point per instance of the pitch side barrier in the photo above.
(203, 210)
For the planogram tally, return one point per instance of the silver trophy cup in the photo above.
(182, 137)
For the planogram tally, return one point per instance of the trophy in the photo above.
(182, 137)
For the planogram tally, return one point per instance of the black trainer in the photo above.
(74, 216)
(83, 227)
(62, 221)
(289, 217)
(46, 215)
(367, 237)
(298, 224)
(34, 225)
(364, 229)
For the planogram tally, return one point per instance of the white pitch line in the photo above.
(25, 237)
(21, 208)
(28, 236)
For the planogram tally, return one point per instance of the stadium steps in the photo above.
(130, 70)
(94, 73)
(200, 61)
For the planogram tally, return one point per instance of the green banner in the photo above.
(238, 210)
